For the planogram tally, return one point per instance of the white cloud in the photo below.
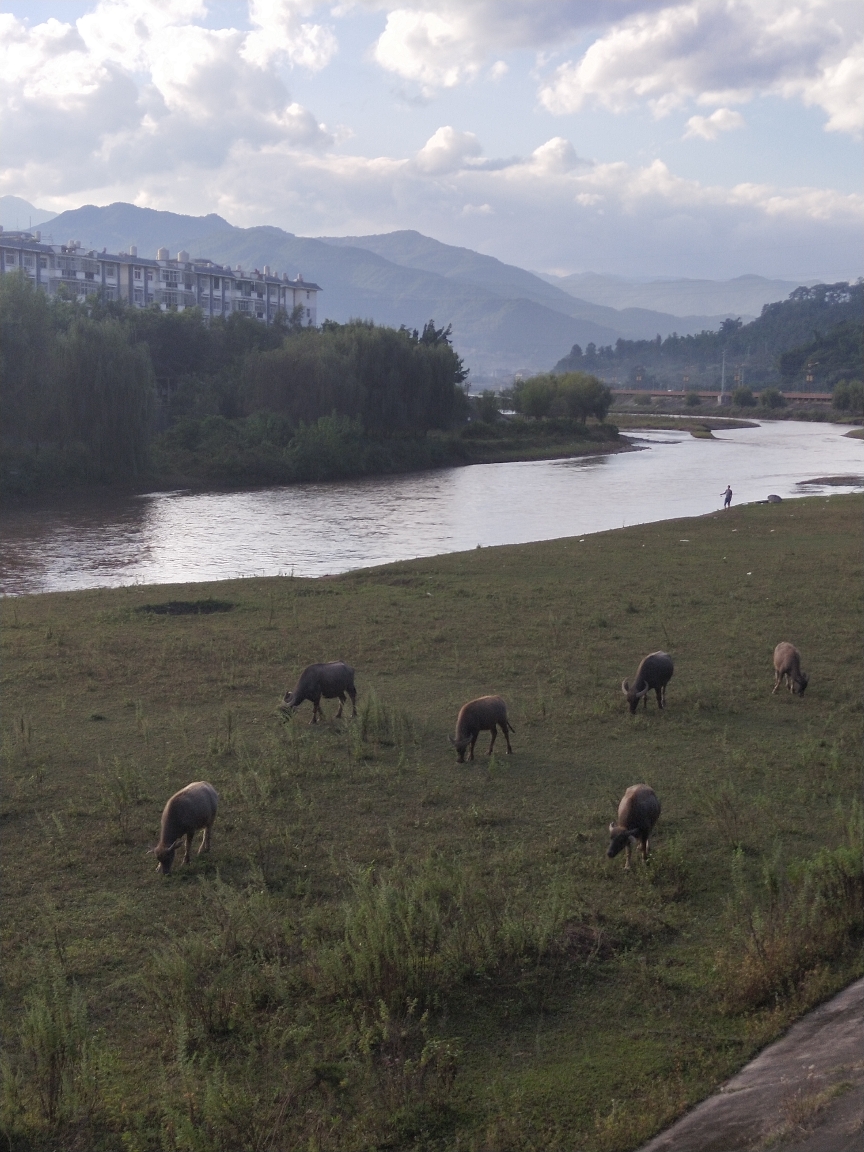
(442, 43)
(666, 54)
(710, 127)
(722, 51)
(138, 86)
(432, 50)
(447, 150)
(280, 31)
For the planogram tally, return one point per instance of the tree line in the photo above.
(101, 392)
(816, 333)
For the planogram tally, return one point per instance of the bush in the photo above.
(743, 398)
(849, 397)
(693, 399)
(772, 398)
(575, 394)
(486, 407)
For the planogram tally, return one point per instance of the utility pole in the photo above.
(722, 379)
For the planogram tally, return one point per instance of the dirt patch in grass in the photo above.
(186, 607)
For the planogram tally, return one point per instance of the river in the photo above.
(316, 529)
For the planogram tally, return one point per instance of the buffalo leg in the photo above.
(352, 693)
(492, 741)
(186, 856)
(205, 840)
(471, 749)
(507, 738)
(341, 703)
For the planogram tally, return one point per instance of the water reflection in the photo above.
(313, 529)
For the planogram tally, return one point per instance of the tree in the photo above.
(772, 398)
(534, 397)
(486, 407)
(693, 399)
(106, 398)
(583, 396)
(743, 398)
(574, 394)
(849, 397)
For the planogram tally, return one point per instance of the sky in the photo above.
(711, 138)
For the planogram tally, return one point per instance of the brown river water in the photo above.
(319, 529)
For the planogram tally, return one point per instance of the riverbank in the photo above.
(386, 949)
(214, 454)
(223, 454)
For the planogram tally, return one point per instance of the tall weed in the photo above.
(52, 1077)
(803, 918)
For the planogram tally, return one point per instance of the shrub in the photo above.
(53, 1074)
(804, 919)
(575, 394)
(849, 397)
(693, 399)
(486, 407)
(772, 398)
(743, 398)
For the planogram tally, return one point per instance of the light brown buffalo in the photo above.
(191, 808)
(485, 714)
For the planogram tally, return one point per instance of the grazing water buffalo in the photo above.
(191, 808)
(332, 681)
(655, 672)
(637, 814)
(485, 714)
(787, 662)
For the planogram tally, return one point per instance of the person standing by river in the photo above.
(727, 496)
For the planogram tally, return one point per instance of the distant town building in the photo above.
(181, 283)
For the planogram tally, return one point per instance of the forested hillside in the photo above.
(808, 342)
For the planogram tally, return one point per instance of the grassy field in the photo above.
(385, 949)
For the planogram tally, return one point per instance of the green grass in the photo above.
(687, 421)
(385, 949)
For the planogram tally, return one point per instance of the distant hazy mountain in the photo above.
(20, 215)
(414, 250)
(504, 318)
(118, 226)
(744, 296)
(493, 333)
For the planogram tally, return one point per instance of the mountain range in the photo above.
(504, 318)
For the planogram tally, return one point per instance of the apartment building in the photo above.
(180, 283)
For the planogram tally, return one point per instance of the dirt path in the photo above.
(804, 1093)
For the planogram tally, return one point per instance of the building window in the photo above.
(43, 261)
(139, 295)
(137, 273)
(27, 261)
(149, 275)
(215, 281)
(10, 258)
(169, 276)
